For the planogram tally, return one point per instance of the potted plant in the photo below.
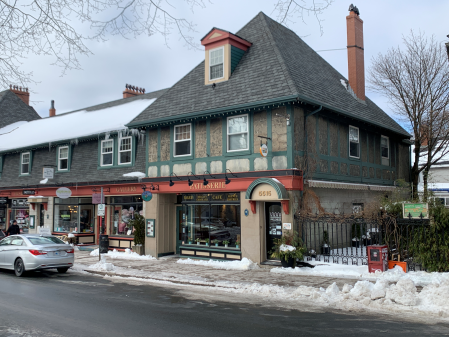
(197, 240)
(190, 241)
(216, 242)
(226, 243)
(138, 223)
(288, 248)
(207, 241)
(237, 244)
(325, 247)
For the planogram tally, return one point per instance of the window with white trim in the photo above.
(63, 158)
(107, 152)
(125, 150)
(216, 63)
(385, 147)
(354, 142)
(25, 163)
(183, 140)
(238, 133)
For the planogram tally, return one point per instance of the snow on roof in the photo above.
(72, 125)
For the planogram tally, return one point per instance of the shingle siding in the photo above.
(13, 109)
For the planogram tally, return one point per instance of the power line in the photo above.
(330, 49)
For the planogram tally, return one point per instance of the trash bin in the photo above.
(104, 244)
(377, 258)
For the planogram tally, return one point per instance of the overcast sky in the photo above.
(147, 62)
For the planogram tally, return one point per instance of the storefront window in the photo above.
(20, 213)
(123, 210)
(214, 221)
(74, 215)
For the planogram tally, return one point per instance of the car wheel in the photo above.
(62, 270)
(19, 268)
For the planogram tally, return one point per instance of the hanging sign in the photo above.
(147, 196)
(264, 150)
(101, 209)
(96, 199)
(63, 192)
(48, 173)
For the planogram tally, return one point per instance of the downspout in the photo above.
(306, 149)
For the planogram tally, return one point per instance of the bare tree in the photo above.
(415, 80)
(54, 27)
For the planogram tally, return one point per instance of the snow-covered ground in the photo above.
(244, 264)
(126, 255)
(420, 278)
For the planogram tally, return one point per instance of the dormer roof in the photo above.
(217, 37)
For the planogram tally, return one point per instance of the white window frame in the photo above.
(182, 140)
(349, 141)
(59, 158)
(120, 151)
(22, 163)
(237, 133)
(388, 147)
(101, 152)
(210, 73)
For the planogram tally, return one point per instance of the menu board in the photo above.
(150, 228)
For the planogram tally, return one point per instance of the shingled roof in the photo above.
(13, 109)
(278, 64)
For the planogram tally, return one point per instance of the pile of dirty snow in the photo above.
(102, 265)
(244, 264)
(126, 255)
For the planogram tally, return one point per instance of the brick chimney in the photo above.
(356, 62)
(132, 91)
(52, 109)
(23, 93)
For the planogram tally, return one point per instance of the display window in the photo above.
(217, 221)
(21, 213)
(76, 215)
(123, 210)
(3, 218)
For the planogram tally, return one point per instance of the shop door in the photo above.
(181, 229)
(41, 215)
(273, 221)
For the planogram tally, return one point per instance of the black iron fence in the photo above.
(343, 239)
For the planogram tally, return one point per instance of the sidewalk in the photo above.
(167, 269)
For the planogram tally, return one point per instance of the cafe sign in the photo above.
(63, 193)
(415, 210)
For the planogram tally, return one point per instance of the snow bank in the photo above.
(328, 269)
(102, 265)
(44, 181)
(419, 278)
(244, 264)
(126, 255)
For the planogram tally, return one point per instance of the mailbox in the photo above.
(377, 258)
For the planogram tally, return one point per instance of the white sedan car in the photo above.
(29, 252)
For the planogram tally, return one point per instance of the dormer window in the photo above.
(224, 51)
(216, 60)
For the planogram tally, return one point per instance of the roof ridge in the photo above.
(278, 53)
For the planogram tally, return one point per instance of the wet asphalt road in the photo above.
(50, 304)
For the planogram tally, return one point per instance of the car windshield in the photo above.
(41, 240)
(54, 239)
